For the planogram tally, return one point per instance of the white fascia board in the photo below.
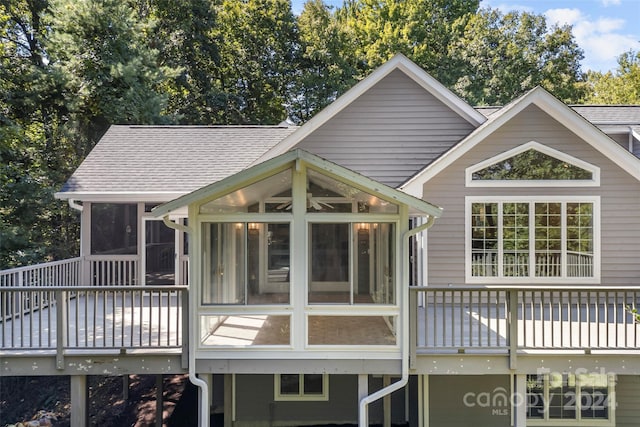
(119, 196)
(556, 109)
(399, 62)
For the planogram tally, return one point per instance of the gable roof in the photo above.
(160, 163)
(255, 172)
(552, 106)
(398, 62)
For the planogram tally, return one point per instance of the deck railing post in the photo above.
(185, 328)
(85, 271)
(513, 327)
(61, 327)
(413, 326)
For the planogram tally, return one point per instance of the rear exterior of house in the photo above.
(402, 258)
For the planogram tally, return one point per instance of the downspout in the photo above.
(363, 415)
(75, 205)
(204, 388)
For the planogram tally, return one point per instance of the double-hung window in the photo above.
(546, 239)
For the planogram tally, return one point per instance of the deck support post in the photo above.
(228, 400)
(386, 403)
(79, 412)
(159, 400)
(125, 387)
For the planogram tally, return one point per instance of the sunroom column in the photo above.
(298, 248)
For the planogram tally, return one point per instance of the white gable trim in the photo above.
(533, 145)
(283, 161)
(556, 109)
(398, 62)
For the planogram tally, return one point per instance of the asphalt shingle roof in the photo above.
(170, 158)
(597, 114)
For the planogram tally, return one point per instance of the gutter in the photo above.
(204, 387)
(363, 414)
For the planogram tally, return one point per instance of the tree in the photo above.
(325, 66)
(498, 57)
(258, 42)
(185, 34)
(619, 87)
(111, 74)
(33, 156)
(420, 29)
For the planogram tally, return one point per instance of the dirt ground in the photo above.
(29, 398)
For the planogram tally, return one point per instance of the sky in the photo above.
(604, 29)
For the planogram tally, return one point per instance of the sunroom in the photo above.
(297, 255)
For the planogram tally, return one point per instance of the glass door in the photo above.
(159, 254)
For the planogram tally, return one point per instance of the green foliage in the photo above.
(184, 33)
(420, 29)
(498, 57)
(258, 40)
(326, 68)
(532, 165)
(619, 87)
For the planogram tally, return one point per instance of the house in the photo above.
(402, 258)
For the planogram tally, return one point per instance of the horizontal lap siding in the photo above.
(628, 409)
(390, 132)
(619, 193)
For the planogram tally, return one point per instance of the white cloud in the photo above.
(606, 3)
(601, 39)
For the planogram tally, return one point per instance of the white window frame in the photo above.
(301, 396)
(578, 421)
(500, 278)
(595, 171)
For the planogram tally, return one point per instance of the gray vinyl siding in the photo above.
(628, 400)
(256, 406)
(619, 192)
(390, 132)
(468, 400)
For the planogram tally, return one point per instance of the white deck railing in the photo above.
(500, 318)
(546, 264)
(68, 272)
(91, 317)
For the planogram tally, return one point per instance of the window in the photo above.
(562, 398)
(245, 263)
(532, 165)
(546, 239)
(114, 229)
(301, 387)
(351, 263)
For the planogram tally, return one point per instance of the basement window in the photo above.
(307, 387)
